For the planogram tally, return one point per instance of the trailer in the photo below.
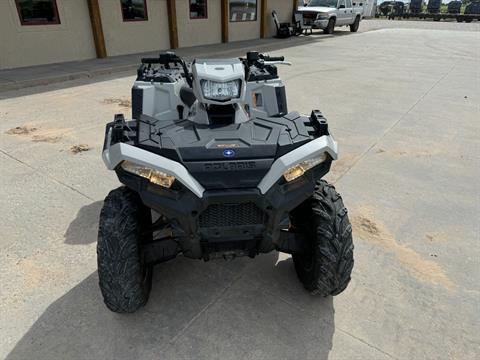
(395, 8)
(472, 11)
(443, 16)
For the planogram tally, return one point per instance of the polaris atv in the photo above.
(214, 166)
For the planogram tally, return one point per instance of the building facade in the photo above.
(34, 32)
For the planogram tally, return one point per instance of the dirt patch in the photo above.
(38, 134)
(436, 237)
(125, 103)
(35, 272)
(369, 229)
(51, 136)
(21, 130)
(76, 149)
(52, 139)
(414, 152)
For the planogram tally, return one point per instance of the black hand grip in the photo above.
(164, 58)
(151, 61)
(273, 58)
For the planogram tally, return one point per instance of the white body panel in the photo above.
(324, 144)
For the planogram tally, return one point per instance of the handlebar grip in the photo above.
(274, 58)
(151, 61)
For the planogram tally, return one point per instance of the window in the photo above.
(341, 4)
(348, 3)
(37, 12)
(134, 10)
(198, 9)
(243, 10)
(323, 3)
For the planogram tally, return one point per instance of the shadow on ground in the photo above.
(203, 310)
(83, 229)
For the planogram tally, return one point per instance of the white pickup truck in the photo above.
(326, 14)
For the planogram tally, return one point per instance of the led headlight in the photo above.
(221, 91)
(154, 176)
(300, 169)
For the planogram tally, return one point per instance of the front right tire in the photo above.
(124, 277)
(325, 265)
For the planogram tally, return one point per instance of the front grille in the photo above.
(310, 15)
(222, 215)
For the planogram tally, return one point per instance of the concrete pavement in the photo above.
(403, 105)
(32, 76)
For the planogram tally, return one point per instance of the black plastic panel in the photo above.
(281, 100)
(230, 156)
(137, 102)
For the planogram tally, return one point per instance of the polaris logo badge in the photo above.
(229, 153)
(230, 166)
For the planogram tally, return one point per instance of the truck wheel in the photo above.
(330, 27)
(125, 280)
(355, 25)
(326, 265)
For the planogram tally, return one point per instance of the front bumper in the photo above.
(320, 24)
(115, 153)
(207, 222)
(244, 220)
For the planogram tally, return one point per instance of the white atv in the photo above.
(214, 165)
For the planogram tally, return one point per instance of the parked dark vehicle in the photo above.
(454, 7)
(433, 6)
(415, 6)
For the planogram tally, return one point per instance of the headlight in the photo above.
(300, 169)
(322, 16)
(221, 91)
(154, 176)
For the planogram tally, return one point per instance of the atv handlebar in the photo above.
(168, 58)
(280, 62)
(273, 58)
(254, 60)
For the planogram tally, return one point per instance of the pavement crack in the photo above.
(200, 313)
(366, 343)
(46, 175)
(329, 323)
(391, 127)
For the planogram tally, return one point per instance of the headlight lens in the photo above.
(154, 176)
(322, 16)
(298, 170)
(221, 91)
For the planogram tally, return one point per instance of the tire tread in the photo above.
(121, 275)
(332, 244)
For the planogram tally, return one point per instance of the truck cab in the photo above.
(326, 14)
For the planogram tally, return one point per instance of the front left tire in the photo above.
(124, 277)
(354, 27)
(330, 27)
